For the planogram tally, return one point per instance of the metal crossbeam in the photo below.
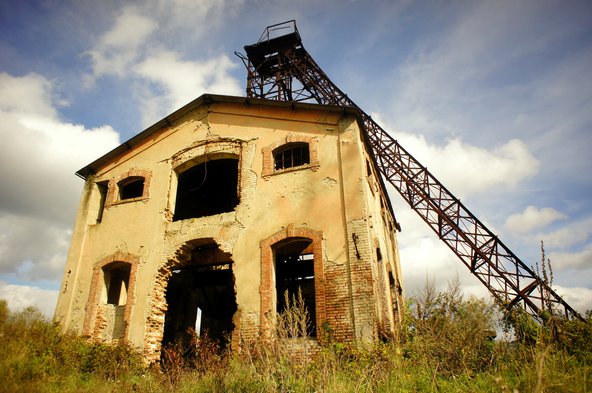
(279, 68)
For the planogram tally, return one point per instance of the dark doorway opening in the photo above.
(201, 299)
(206, 189)
(294, 273)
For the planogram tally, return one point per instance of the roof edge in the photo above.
(205, 99)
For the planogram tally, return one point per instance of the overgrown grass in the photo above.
(446, 346)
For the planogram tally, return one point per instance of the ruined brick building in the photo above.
(204, 219)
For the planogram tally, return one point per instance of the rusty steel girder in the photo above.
(279, 68)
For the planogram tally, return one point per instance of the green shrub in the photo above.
(449, 334)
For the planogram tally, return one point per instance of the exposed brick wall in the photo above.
(246, 328)
(199, 150)
(95, 320)
(267, 289)
(267, 151)
(385, 319)
(301, 350)
(338, 316)
(157, 302)
(363, 300)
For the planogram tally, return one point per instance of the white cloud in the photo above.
(19, 297)
(466, 169)
(573, 233)
(26, 94)
(468, 81)
(140, 49)
(120, 46)
(533, 218)
(579, 298)
(39, 191)
(137, 30)
(581, 260)
(199, 15)
(33, 248)
(39, 162)
(180, 81)
(129, 31)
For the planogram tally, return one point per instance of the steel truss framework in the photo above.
(279, 68)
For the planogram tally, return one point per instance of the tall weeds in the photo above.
(295, 320)
(446, 346)
(37, 357)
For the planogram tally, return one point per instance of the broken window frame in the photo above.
(129, 188)
(116, 278)
(291, 156)
(192, 165)
(93, 325)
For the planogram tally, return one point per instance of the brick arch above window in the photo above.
(197, 153)
(132, 185)
(267, 287)
(289, 140)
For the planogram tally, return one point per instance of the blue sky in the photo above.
(494, 97)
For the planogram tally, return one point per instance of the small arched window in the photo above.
(291, 155)
(131, 187)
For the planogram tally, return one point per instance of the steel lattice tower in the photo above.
(279, 68)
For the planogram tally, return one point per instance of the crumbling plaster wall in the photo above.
(332, 199)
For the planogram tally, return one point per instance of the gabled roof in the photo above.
(203, 100)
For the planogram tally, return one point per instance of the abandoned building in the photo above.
(207, 218)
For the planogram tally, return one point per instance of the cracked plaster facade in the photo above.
(336, 201)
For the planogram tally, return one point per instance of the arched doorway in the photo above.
(292, 261)
(200, 297)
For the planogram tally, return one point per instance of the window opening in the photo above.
(116, 282)
(294, 269)
(395, 286)
(291, 155)
(102, 187)
(201, 299)
(132, 187)
(368, 168)
(206, 189)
